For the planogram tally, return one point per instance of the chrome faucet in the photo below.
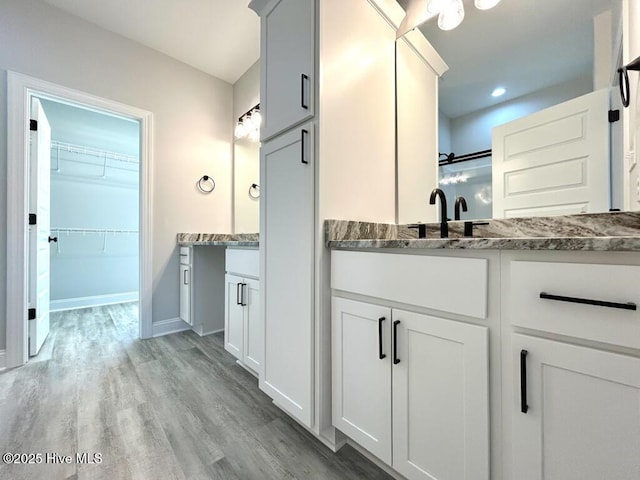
(444, 226)
(460, 202)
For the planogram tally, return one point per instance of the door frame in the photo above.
(20, 89)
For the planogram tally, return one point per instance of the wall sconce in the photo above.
(624, 80)
(248, 125)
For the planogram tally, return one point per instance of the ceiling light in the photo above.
(499, 91)
(485, 4)
(437, 6)
(451, 16)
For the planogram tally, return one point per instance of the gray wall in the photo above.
(192, 130)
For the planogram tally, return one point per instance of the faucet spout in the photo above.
(460, 202)
(444, 226)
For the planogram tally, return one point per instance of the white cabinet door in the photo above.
(185, 294)
(361, 374)
(440, 398)
(576, 412)
(234, 316)
(287, 244)
(253, 331)
(287, 60)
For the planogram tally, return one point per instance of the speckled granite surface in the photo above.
(218, 239)
(603, 231)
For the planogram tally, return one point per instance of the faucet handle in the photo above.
(468, 227)
(421, 227)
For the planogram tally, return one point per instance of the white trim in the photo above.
(168, 326)
(199, 330)
(92, 301)
(3, 359)
(20, 88)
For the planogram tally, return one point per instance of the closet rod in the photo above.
(79, 149)
(91, 230)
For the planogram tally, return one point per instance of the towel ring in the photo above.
(206, 184)
(254, 191)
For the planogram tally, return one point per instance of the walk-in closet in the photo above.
(94, 241)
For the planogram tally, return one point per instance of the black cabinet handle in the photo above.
(587, 301)
(524, 408)
(53, 239)
(185, 279)
(381, 355)
(303, 142)
(238, 300)
(242, 294)
(303, 80)
(396, 360)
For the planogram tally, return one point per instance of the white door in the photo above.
(555, 161)
(253, 331)
(234, 316)
(287, 60)
(576, 412)
(39, 200)
(287, 248)
(361, 374)
(185, 294)
(440, 398)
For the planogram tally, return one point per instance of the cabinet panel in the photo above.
(234, 317)
(440, 399)
(361, 379)
(254, 336)
(185, 294)
(287, 247)
(243, 262)
(287, 61)
(583, 416)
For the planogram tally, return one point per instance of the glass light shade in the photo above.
(254, 134)
(437, 6)
(485, 4)
(241, 130)
(257, 118)
(452, 16)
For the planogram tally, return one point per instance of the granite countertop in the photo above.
(616, 231)
(218, 239)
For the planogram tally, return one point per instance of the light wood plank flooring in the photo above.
(171, 407)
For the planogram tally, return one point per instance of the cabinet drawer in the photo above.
(455, 285)
(617, 285)
(242, 262)
(185, 255)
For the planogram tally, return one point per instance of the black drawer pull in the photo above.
(303, 137)
(587, 301)
(242, 294)
(238, 299)
(524, 408)
(381, 355)
(396, 360)
(303, 81)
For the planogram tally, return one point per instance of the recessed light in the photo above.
(498, 91)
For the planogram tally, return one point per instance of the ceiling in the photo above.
(523, 45)
(219, 37)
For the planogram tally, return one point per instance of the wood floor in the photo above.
(177, 406)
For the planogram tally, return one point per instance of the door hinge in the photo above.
(32, 314)
(33, 125)
(614, 116)
(32, 219)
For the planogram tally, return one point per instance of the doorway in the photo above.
(23, 91)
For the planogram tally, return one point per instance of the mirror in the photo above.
(511, 152)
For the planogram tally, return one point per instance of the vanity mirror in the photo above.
(524, 107)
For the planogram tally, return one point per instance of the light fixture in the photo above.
(451, 16)
(485, 4)
(248, 125)
(436, 6)
(498, 91)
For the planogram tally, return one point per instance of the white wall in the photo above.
(246, 155)
(192, 131)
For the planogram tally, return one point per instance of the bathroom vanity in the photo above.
(490, 358)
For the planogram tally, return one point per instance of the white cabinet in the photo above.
(413, 389)
(287, 62)
(575, 412)
(185, 294)
(243, 332)
(287, 251)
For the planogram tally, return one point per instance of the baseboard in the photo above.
(168, 326)
(3, 359)
(93, 301)
(202, 333)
